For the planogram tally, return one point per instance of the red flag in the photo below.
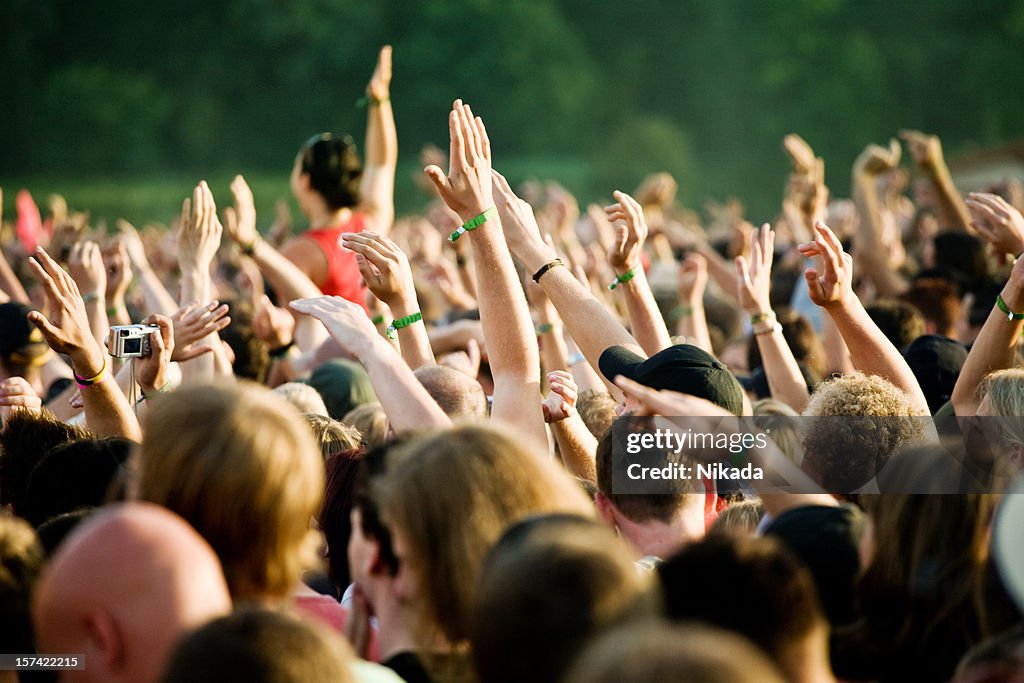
(29, 221)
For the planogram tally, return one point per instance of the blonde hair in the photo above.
(372, 423)
(239, 465)
(450, 496)
(1005, 391)
(776, 419)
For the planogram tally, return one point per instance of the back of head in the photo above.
(458, 394)
(960, 257)
(21, 343)
(124, 587)
(371, 422)
(550, 584)
(333, 436)
(259, 646)
(751, 586)
(238, 464)
(251, 354)
(939, 303)
(24, 440)
(1005, 392)
(900, 322)
(343, 385)
(936, 362)
(449, 496)
(305, 398)
(333, 167)
(334, 516)
(21, 560)
(655, 652)
(597, 408)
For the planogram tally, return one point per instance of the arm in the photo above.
(624, 258)
(997, 221)
(754, 284)
(872, 254)
(508, 330)
(405, 401)
(158, 299)
(85, 263)
(378, 185)
(119, 276)
(554, 352)
(692, 323)
(872, 353)
(927, 152)
(576, 444)
(67, 331)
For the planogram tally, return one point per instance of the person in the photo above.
(123, 589)
(21, 562)
(339, 196)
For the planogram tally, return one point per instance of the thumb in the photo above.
(196, 351)
(40, 321)
(438, 178)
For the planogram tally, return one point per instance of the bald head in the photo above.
(458, 394)
(123, 589)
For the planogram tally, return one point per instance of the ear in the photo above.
(605, 508)
(105, 638)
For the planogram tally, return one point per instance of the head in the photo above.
(754, 587)
(334, 518)
(333, 436)
(343, 385)
(960, 257)
(260, 646)
(939, 302)
(327, 173)
(654, 652)
(597, 409)
(238, 463)
(446, 498)
(305, 398)
(371, 422)
(458, 394)
(123, 589)
(936, 363)
(803, 341)
(740, 518)
(900, 322)
(251, 354)
(22, 347)
(21, 561)
(775, 418)
(550, 584)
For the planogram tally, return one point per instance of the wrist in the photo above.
(88, 362)
(535, 254)
(401, 307)
(1013, 296)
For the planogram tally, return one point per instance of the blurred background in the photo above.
(122, 105)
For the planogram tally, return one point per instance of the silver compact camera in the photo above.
(130, 341)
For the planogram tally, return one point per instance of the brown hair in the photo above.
(371, 422)
(237, 462)
(938, 301)
(21, 561)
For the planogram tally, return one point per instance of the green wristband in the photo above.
(544, 328)
(396, 325)
(377, 320)
(625, 277)
(1010, 315)
(472, 224)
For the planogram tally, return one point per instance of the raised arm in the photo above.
(405, 401)
(119, 277)
(996, 345)
(158, 299)
(508, 329)
(871, 352)
(66, 329)
(377, 189)
(624, 258)
(576, 444)
(926, 151)
(85, 263)
(785, 382)
(693, 323)
(872, 252)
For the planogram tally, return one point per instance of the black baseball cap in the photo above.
(936, 363)
(18, 336)
(684, 368)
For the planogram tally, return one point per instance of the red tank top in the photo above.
(343, 278)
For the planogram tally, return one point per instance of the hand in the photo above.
(384, 267)
(999, 223)
(517, 219)
(925, 150)
(379, 87)
(240, 221)
(693, 279)
(200, 231)
(133, 244)
(466, 362)
(467, 187)
(624, 253)
(755, 278)
(800, 154)
(832, 288)
(281, 228)
(345, 321)
(194, 322)
(17, 394)
(66, 329)
(119, 273)
(357, 623)
(85, 263)
(560, 402)
(151, 370)
(274, 325)
(876, 160)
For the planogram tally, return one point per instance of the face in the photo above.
(295, 179)
(360, 551)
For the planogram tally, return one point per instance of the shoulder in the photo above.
(306, 252)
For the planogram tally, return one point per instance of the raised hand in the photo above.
(517, 218)
(624, 253)
(833, 287)
(194, 322)
(560, 403)
(345, 321)
(693, 279)
(15, 394)
(85, 263)
(134, 247)
(875, 160)
(755, 276)
(998, 222)
(384, 267)
(800, 154)
(467, 362)
(379, 87)
(240, 221)
(924, 149)
(467, 187)
(200, 231)
(151, 372)
(119, 270)
(274, 325)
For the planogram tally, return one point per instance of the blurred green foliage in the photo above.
(123, 105)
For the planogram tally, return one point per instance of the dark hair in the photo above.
(961, 258)
(252, 357)
(802, 340)
(900, 322)
(938, 301)
(372, 467)
(342, 470)
(334, 169)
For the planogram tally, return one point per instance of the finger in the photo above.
(76, 400)
(474, 145)
(502, 183)
(743, 273)
(457, 155)
(830, 237)
(485, 142)
(438, 178)
(40, 321)
(49, 287)
(57, 274)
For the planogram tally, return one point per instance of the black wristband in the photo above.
(282, 351)
(545, 268)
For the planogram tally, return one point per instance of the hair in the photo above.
(960, 257)
(334, 169)
(1005, 391)
(75, 475)
(740, 519)
(938, 301)
(458, 394)
(549, 585)
(333, 436)
(900, 321)
(750, 585)
(25, 439)
(673, 495)
(597, 409)
(449, 496)
(334, 519)
(260, 646)
(305, 398)
(21, 561)
(371, 421)
(239, 465)
(252, 356)
(655, 652)
(803, 341)
(776, 419)
(860, 422)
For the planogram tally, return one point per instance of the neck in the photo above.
(321, 216)
(397, 622)
(663, 539)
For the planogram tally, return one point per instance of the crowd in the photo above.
(386, 448)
